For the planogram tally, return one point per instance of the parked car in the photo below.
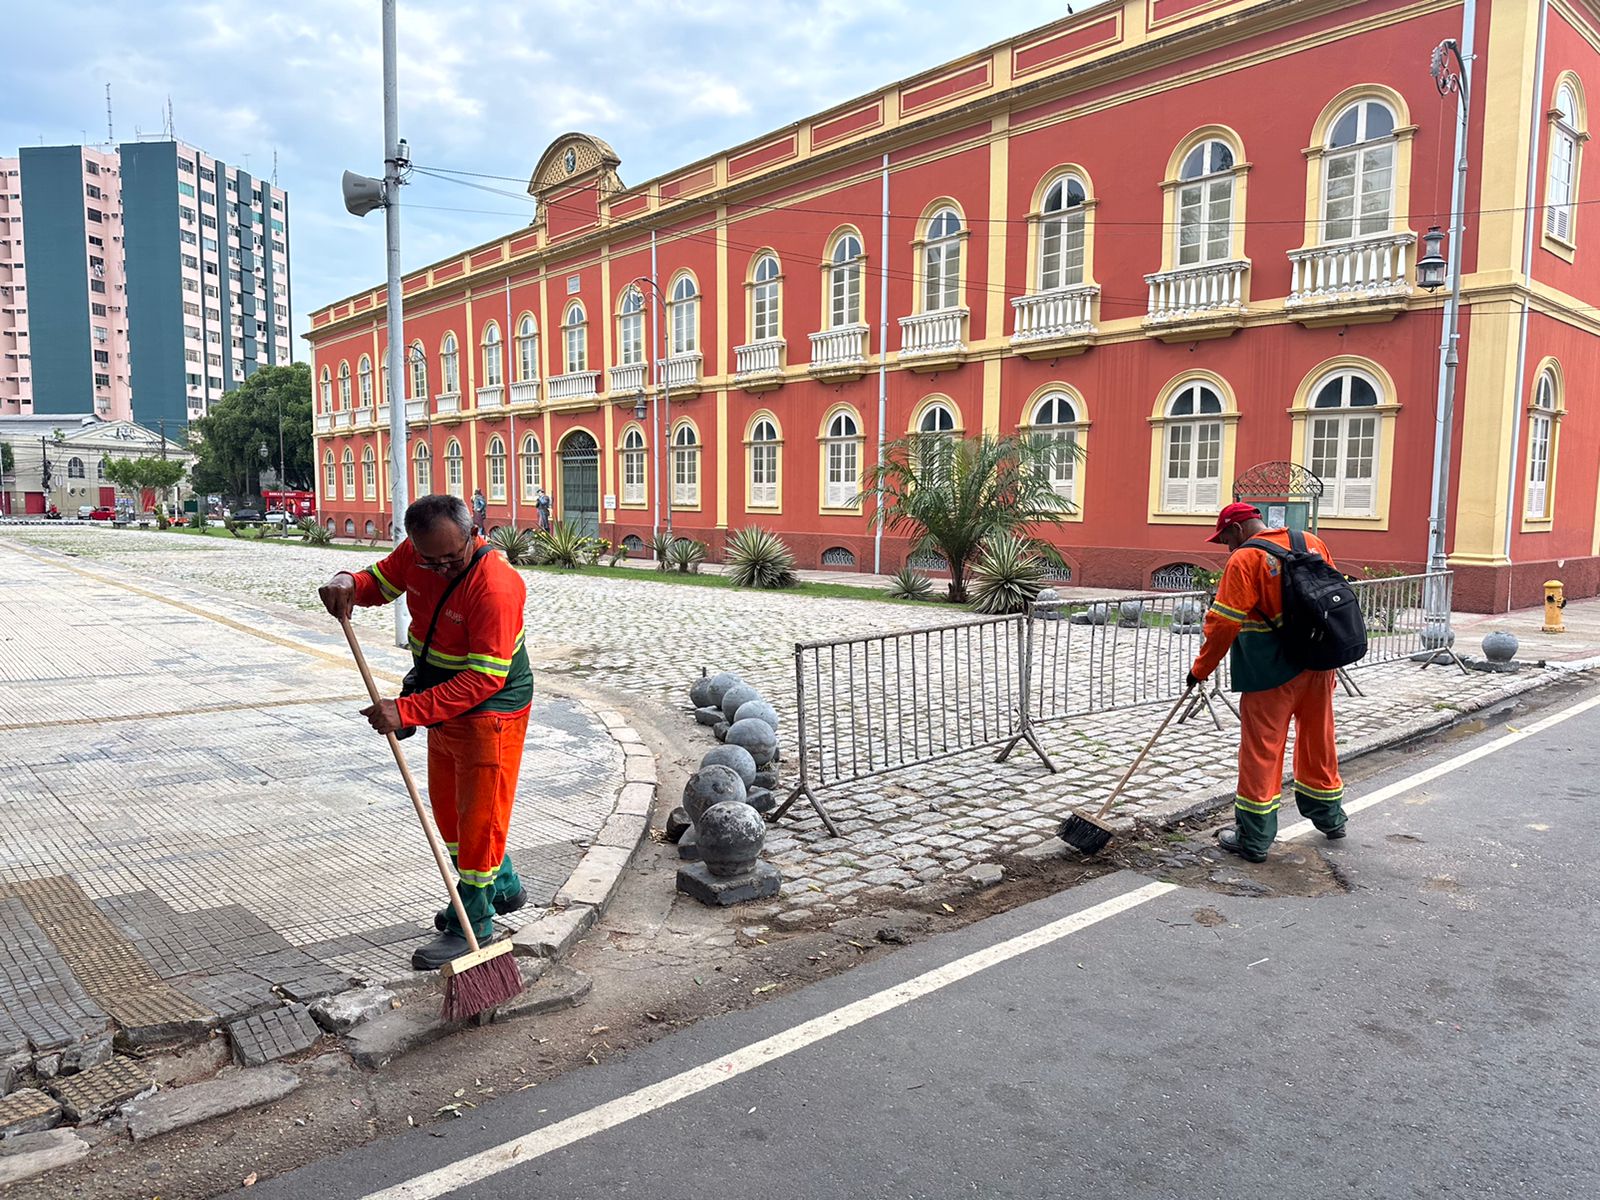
(104, 512)
(280, 518)
(85, 512)
(248, 516)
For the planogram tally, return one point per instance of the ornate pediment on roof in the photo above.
(575, 159)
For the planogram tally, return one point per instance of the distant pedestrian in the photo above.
(1245, 619)
(480, 511)
(542, 503)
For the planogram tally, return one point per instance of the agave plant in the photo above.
(661, 548)
(514, 543)
(907, 584)
(314, 532)
(687, 555)
(758, 558)
(1007, 575)
(565, 545)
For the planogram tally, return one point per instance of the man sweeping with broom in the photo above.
(471, 688)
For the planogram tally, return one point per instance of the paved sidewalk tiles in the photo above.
(28, 1110)
(98, 1091)
(272, 1035)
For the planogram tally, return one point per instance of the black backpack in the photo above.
(1322, 624)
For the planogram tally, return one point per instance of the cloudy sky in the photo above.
(484, 87)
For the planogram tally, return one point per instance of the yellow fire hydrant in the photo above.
(1555, 599)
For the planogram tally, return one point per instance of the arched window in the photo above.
(685, 466)
(764, 315)
(369, 473)
(1561, 189)
(100, 468)
(344, 386)
(633, 467)
(1055, 417)
(684, 314)
(75, 469)
(577, 339)
(349, 462)
(1358, 173)
(844, 282)
(842, 462)
(330, 483)
(1205, 205)
(327, 390)
(383, 373)
(941, 262)
(494, 374)
(454, 476)
(495, 459)
(364, 382)
(1061, 235)
(532, 474)
(937, 419)
(763, 451)
(630, 328)
(422, 468)
(419, 372)
(1192, 478)
(1542, 419)
(527, 348)
(1344, 443)
(450, 365)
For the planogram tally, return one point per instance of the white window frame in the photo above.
(633, 467)
(765, 300)
(1541, 450)
(1204, 184)
(364, 382)
(527, 348)
(1561, 180)
(330, 477)
(1063, 235)
(348, 473)
(1047, 423)
(842, 462)
(1340, 436)
(327, 390)
(1368, 157)
(454, 470)
(685, 467)
(630, 328)
(369, 473)
(450, 366)
(495, 461)
(422, 469)
(532, 468)
(575, 339)
(683, 316)
(763, 463)
(1194, 442)
(845, 269)
(418, 372)
(344, 385)
(493, 356)
(941, 261)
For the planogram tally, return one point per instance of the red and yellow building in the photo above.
(1179, 232)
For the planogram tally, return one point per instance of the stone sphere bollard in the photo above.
(761, 799)
(736, 758)
(1186, 612)
(730, 837)
(700, 691)
(712, 785)
(1500, 646)
(757, 710)
(757, 737)
(741, 693)
(1436, 635)
(1095, 614)
(709, 715)
(1130, 613)
(720, 730)
(720, 683)
(1047, 604)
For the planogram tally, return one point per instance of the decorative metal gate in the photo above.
(580, 483)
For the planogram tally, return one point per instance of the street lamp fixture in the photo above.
(1432, 270)
(639, 408)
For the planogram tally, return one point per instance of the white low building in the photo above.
(76, 449)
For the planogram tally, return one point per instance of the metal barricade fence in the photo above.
(1399, 612)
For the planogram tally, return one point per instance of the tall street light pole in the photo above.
(663, 384)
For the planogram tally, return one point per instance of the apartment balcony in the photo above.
(933, 341)
(416, 412)
(525, 391)
(1055, 324)
(574, 385)
(324, 422)
(627, 380)
(680, 372)
(1197, 302)
(1351, 282)
(492, 396)
(839, 353)
(447, 404)
(758, 367)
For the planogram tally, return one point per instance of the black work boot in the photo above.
(1228, 839)
(430, 956)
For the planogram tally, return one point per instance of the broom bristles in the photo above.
(1084, 834)
(481, 987)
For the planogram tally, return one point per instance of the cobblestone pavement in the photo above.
(903, 830)
(197, 824)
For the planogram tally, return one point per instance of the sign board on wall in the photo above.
(611, 503)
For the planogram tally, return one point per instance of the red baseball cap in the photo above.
(1233, 515)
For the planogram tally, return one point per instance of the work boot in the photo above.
(1228, 839)
(430, 956)
(444, 919)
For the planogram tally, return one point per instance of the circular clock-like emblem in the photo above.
(571, 160)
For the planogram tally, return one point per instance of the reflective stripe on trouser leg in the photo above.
(1318, 788)
(1263, 732)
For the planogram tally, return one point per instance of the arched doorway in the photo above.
(579, 501)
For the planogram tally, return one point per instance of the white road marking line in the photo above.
(530, 1146)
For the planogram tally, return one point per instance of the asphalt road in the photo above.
(1434, 1032)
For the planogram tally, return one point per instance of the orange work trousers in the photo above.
(473, 763)
(1307, 700)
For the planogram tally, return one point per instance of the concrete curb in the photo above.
(594, 882)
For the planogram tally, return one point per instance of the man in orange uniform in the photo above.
(1244, 618)
(472, 691)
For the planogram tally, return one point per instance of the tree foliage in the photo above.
(951, 495)
(227, 441)
(138, 473)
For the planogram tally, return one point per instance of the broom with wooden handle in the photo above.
(486, 975)
(1087, 832)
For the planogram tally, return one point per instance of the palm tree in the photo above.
(949, 495)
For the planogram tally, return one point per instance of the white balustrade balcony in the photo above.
(447, 402)
(525, 391)
(362, 417)
(343, 419)
(680, 371)
(841, 351)
(324, 422)
(1054, 318)
(416, 411)
(491, 396)
(936, 335)
(628, 379)
(1195, 299)
(759, 364)
(1371, 271)
(575, 385)
(383, 415)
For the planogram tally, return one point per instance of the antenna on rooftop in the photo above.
(274, 166)
(167, 128)
(111, 135)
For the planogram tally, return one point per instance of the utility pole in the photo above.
(395, 156)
